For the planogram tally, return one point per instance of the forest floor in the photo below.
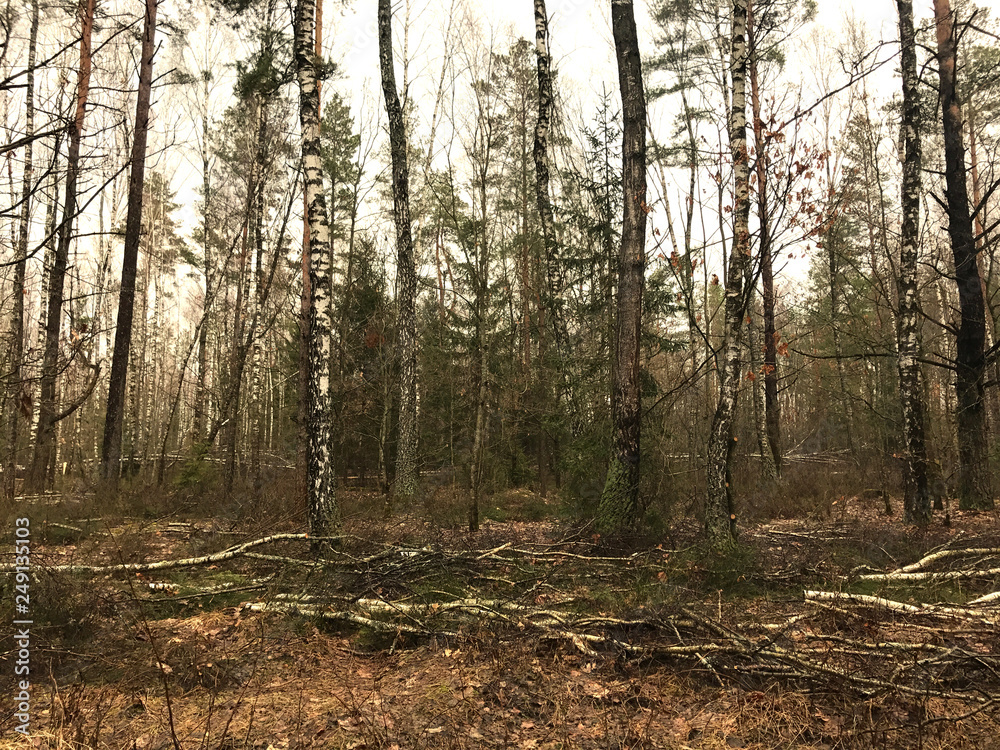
(532, 633)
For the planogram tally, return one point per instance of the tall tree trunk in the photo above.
(975, 491)
(208, 269)
(46, 254)
(241, 343)
(479, 391)
(45, 440)
(620, 506)
(772, 408)
(112, 449)
(720, 518)
(15, 391)
(324, 515)
(832, 248)
(258, 297)
(770, 471)
(553, 267)
(980, 225)
(916, 499)
(405, 485)
(554, 277)
(306, 302)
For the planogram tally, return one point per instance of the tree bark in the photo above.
(324, 515)
(112, 448)
(44, 452)
(405, 485)
(974, 488)
(772, 408)
(201, 387)
(832, 243)
(916, 498)
(15, 388)
(719, 516)
(554, 277)
(553, 267)
(620, 506)
(770, 471)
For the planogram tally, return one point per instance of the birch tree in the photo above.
(15, 387)
(553, 264)
(720, 518)
(324, 515)
(917, 500)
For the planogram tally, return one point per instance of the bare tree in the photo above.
(620, 506)
(405, 485)
(324, 515)
(917, 500)
(553, 264)
(720, 518)
(771, 413)
(48, 418)
(974, 488)
(15, 389)
(112, 447)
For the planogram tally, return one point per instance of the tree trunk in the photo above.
(719, 516)
(980, 225)
(15, 391)
(133, 229)
(201, 387)
(554, 277)
(479, 385)
(553, 267)
(324, 515)
(258, 297)
(769, 470)
(916, 498)
(620, 506)
(772, 408)
(405, 485)
(831, 242)
(975, 491)
(45, 439)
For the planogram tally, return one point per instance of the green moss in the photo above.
(619, 507)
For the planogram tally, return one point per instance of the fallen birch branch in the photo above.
(879, 602)
(946, 575)
(187, 562)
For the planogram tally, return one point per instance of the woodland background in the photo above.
(704, 354)
(510, 313)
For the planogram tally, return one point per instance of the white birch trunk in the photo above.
(720, 518)
(324, 516)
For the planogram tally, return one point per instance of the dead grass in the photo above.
(114, 669)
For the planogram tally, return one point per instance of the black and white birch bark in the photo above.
(916, 497)
(208, 271)
(15, 388)
(555, 281)
(719, 512)
(324, 514)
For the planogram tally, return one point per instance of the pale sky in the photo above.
(581, 40)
